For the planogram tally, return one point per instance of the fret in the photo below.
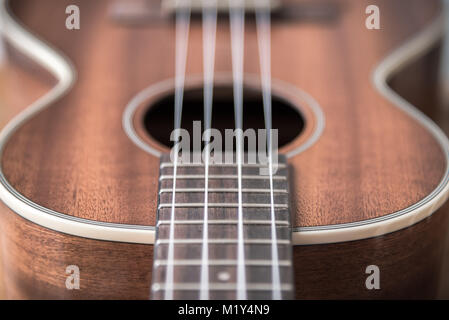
(222, 241)
(215, 295)
(224, 231)
(222, 205)
(222, 222)
(218, 176)
(223, 273)
(220, 286)
(217, 199)
(248, 171)
(251, 231)
(222, 251)
(217, 165)
(223, 183)
(224, 213)
(222, 190)
(223, 262)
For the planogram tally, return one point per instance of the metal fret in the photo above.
(223, 222)
(220, 286)
(225, 214)
(217, 165)
(228, 262)
(220, 190)
(221, 241)
(222, 205)
(219, 176)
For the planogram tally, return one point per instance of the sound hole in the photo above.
(159, 117)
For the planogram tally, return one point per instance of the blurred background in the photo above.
(12, 76)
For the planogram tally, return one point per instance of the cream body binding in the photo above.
(61, 68)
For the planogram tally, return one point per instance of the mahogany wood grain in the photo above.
(112, 180)
(18, 71)
(35, 260)
(419, 83)
(384, 160)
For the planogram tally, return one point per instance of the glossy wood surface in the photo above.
(111, 180)
(16, 70)
(372, 159)
(323, 271)
(419, 83)
(409, 261)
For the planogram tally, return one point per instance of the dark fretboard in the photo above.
(186, 265)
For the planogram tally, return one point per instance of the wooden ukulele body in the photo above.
(368, 173)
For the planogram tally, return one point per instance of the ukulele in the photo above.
(97, 202)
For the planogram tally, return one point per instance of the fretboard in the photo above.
(178, 271)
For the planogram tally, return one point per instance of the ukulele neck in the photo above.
(247, 255)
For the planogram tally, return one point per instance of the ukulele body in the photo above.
(368, 174)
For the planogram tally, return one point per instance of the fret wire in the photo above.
(220, 286)
(222, 205)
(221, 262)
(223, 176)
(224, 222)
(221, 190)
(232, 165)
(222, 241)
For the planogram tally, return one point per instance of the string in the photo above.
(263, 21)
(237, 17)
(182, 35)
(209, 36)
